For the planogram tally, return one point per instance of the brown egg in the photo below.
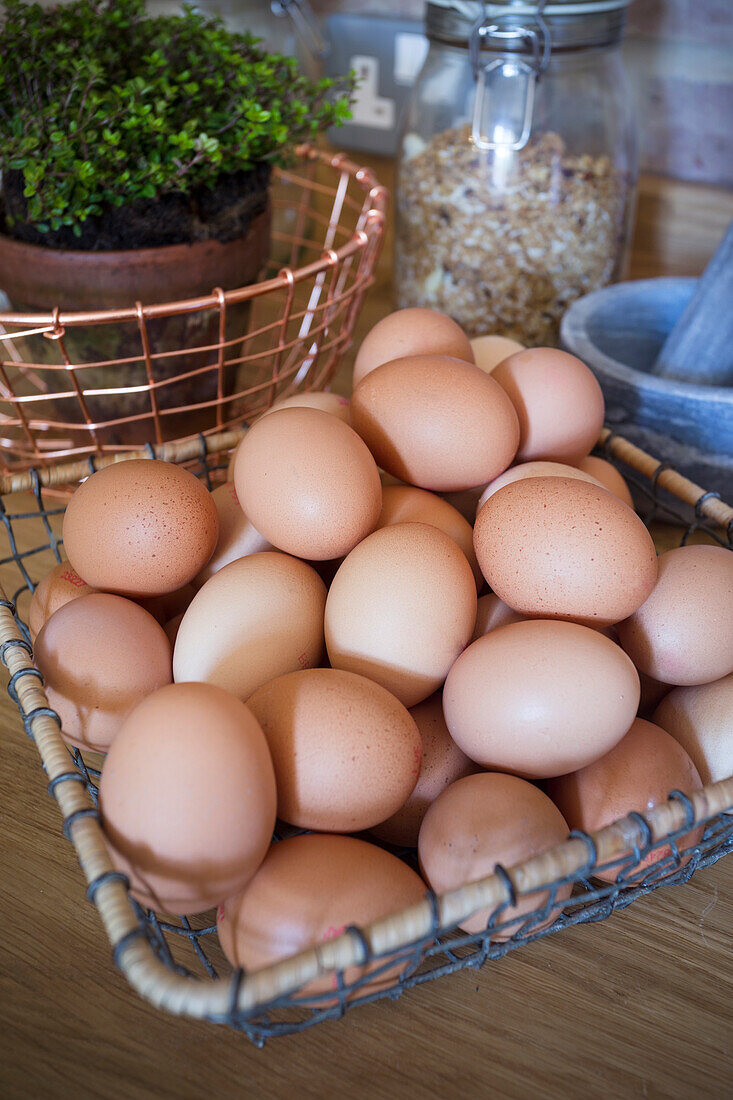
(492, 613)
(701, 720)
(187, 798)
(557, 547)
(164, 608)
(483, 820)
(558, 401)
(332, 403)
(346, 753)
(406, 504)
(257, 618)
(540, 697)
(309, 889)
(683, 633)
(400, 609)
(140, 528)
(608, 476)
(442, 763)
(308, 483)
(100, 656)
(61, 585)
(410, 332)
(489, 351)
(637, 774)
(436, 422)
(532, 469)
(237, 536)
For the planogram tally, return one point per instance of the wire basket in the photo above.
(176, 964)
(105, 381)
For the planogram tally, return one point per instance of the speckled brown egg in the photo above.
(558, 401)
(483, 820)
(491, 613)
(540, 697)
(683, 633)
(436, 422)
(346, 753)
(411, 332)
(532, 469)
(400, 609)
(701, 719)
(308, 483)
(607, 474)
(100, 656)
(309, 889)
(489, 351)
(140, 528)
(557, 547)
(637, 774)
(406, 504)
(187, 798)
(257, 618)
(237, 535)
(61, 585)
(442, 763)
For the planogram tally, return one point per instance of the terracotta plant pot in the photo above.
(39, 279)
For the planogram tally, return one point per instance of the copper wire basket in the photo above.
(204, 364)
(178, 966)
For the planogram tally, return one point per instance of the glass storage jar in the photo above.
(517, 164)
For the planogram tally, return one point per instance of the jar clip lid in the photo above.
(505, 87)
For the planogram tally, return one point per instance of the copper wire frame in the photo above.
(328, 227)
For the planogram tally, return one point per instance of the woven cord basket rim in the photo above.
(246, 994)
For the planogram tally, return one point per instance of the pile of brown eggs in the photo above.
(308, 642)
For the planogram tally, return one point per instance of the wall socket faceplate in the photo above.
(386, 54)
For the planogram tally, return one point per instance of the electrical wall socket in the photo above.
(386, 54)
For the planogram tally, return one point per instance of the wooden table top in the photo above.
(638, 1006)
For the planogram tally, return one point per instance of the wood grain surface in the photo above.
(638, 1006)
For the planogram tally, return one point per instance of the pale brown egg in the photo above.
(436, 422)
(100, 656)
(61, 585)
(540, 697)
(410, 332)
(683, 633)
(557, 547)
(483, 820)
(406, 504)
(308, 483)
(346, 753)
(400, 609)
(558, 401)
(237, 535)
(701, 720)
(607, 474)
(257, 618)
(309, 889)
(532, 469)
(187, 798)
(489, 351)
(442, 763)
(140, 528)
(332, 403)
(637, 774)
(492, 613)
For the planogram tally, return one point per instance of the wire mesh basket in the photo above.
(104, 381)
(178, 965)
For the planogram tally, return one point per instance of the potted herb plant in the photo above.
(136, 156)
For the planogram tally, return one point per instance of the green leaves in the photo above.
(101, 105)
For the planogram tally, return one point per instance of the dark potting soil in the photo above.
(222, 213)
